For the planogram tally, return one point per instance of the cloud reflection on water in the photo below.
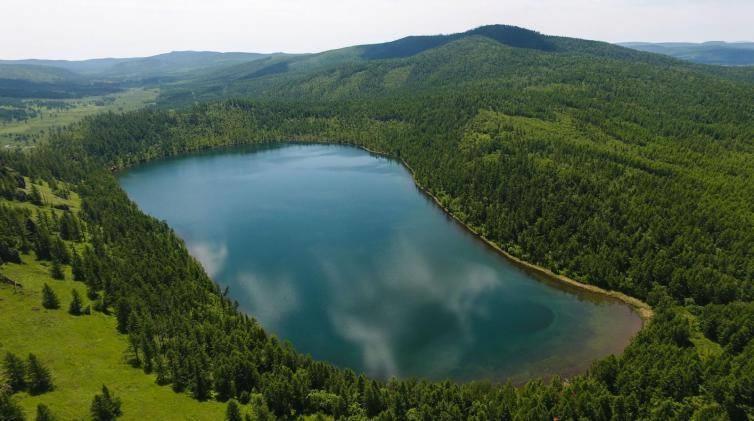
(272, 299)
(381, 328)
(212, 257)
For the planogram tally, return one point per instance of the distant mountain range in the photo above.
(140, 68)
(713, 52)
(415, 61)
(36, 78)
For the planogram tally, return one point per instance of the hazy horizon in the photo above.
(87, 29)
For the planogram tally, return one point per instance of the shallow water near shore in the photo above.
(337, 251)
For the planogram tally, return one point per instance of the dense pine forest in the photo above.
(620, 169)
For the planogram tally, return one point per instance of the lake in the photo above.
(337, 251)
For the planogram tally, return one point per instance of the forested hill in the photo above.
(409, 46)
(39, 81)
(36, 73)
(492, 55)
(627, 170)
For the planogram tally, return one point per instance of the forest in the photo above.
(632, 175)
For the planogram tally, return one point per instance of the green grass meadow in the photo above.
(50, 119)
(82, 352)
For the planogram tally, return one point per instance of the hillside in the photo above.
(38, 81)
(35, 73)
(489, 54)
(82, 352)
(430, 62)
(714, 52)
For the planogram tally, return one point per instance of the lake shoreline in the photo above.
(642, 309)
(605, 326)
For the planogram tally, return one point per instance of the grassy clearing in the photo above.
(704, 346)
(73, 201)
(37, 128)
(83, 352)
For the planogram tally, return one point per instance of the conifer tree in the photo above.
(105, 407)
(261, 411)
(92, 293)
(56, 271)
(35, 196)
(44, 413)
(69, 228)
(75, 307)
(14, 370)
(161, 369)
(49, 299)
(223, 382)
(77, 266)
(233, 413)
(39, 377)
(122, 315)
(9, 410)
(43, 245)
(59, 251)
(201, 386)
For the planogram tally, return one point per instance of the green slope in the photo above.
(485, 54)
(82, 352)
(36, 73)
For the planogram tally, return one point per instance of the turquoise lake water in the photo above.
(337, 251)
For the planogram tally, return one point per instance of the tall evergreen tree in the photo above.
(59, 251)
(49, 299)
(43, 244)
(69, 227)
(105, 406)
(201, 384)
(91, 293)
(56, 271)
(122, 314)
(77, 266)
(39, 377)
(233, 413)
(75, 308)
(161, 369)
(260, 409)
(44, 413)
(35, 196)
(14, 370)
(9, 410)
(223, 382)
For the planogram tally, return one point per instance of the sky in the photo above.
(79, 29)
